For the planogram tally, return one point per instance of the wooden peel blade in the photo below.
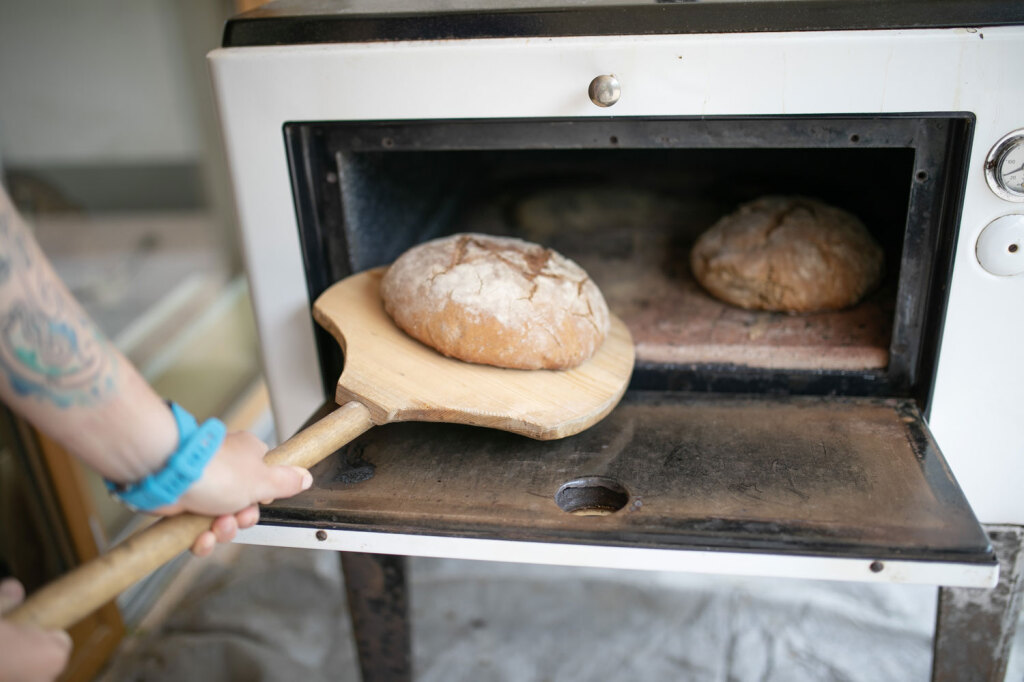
(401, 379)
(388, 377)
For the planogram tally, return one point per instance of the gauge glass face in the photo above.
(1010, 173)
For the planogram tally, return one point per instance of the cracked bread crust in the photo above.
(788, 254)
(496, 301)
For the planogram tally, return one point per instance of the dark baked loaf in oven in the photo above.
(789, 254)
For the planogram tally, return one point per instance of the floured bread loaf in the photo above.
(496, 301)
(788, 254)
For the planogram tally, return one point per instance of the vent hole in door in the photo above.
(592, 496)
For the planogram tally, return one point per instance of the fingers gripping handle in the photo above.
(78, 593)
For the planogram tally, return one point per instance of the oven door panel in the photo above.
(833, 488)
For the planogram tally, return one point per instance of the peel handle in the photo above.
(81, 591)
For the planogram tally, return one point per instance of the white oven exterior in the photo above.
(977, 409)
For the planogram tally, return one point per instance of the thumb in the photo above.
(11, 594)
(282, 481)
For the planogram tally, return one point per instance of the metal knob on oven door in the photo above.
(604, 91)
(1000, 246)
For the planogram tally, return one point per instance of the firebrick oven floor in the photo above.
(636, 244)
(280, 614)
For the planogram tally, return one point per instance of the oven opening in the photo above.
(630, 218)
(627, 199)
(742, 430)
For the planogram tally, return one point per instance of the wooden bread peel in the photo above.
(388, 377)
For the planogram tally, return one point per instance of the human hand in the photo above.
(28, 653)
(233, 481)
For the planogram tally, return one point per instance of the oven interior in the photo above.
(626, 199)
(741, 429)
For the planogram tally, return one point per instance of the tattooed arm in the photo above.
(59, 372)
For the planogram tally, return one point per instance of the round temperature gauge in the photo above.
(1004, 167)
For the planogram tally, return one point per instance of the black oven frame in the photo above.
(715, 450)
(334, 247)
(355, 21)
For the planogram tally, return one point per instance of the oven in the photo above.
(869, 443)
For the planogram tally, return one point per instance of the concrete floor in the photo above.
(257, 613)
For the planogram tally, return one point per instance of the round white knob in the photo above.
(1000, 246)
(604, 91)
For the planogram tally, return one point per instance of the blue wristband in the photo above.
(196, 446)
(187, 424)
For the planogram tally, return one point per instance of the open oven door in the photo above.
(812, 487)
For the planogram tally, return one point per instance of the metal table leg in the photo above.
(378, 604)
(975, 627)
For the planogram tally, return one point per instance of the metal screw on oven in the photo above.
(321, 535)
(604, 91)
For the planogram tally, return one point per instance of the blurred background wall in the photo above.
(106, 105)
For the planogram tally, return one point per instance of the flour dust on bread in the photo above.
(788, 254)
(496, 301)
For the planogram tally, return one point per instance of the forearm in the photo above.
(60, 372)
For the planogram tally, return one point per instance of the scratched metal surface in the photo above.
(806, 475)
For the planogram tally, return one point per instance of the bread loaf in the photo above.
(497, 301)
(788, 254)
